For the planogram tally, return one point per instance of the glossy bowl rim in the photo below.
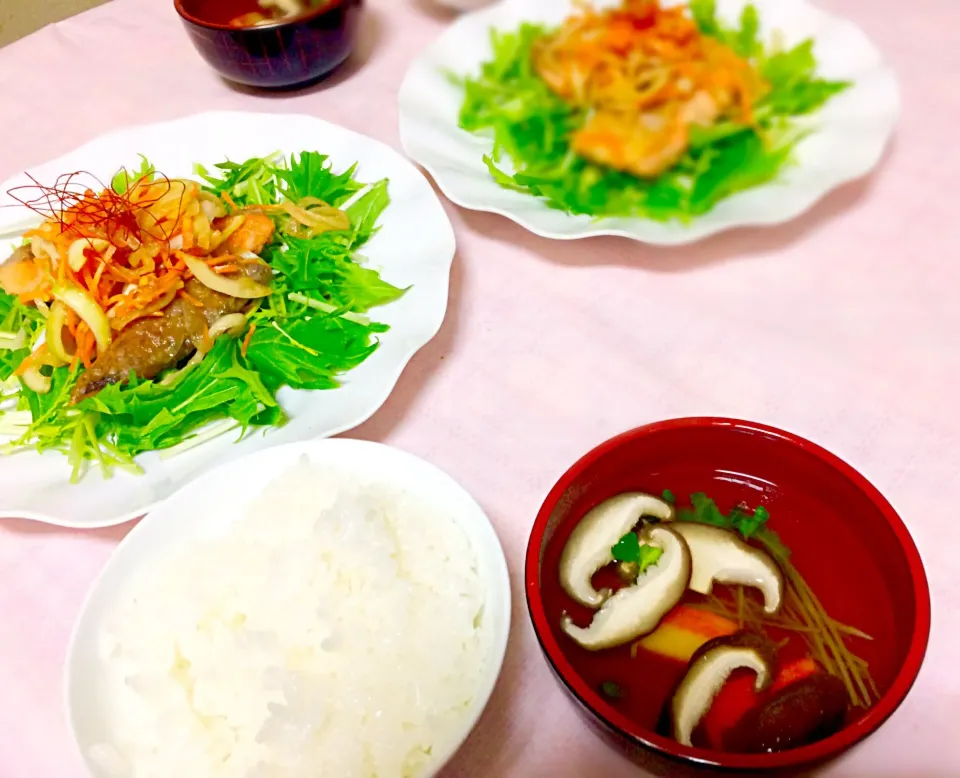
(316, 13)
(621, 725)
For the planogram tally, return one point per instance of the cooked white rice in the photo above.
(337, 631)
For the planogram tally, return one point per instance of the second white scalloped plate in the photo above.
(851, 132)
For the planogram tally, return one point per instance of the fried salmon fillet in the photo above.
(645, 76)
(149, 346)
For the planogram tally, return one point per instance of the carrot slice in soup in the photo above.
(684, 630)
(738, 696)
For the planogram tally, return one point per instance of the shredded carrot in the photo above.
(85, 277)
(246, 340)
(192, 300)
(29, 297)
(123, 274)
(187, 233)
(86, 344)
(98, 275)
(72, 322)
(206, 340)
(62, 271)
(27, 363)
(225, 195)
(221, 259)
(130, 269)
(38, 358)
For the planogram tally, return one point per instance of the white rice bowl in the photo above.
(341, 626)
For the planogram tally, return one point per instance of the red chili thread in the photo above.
(90, 208)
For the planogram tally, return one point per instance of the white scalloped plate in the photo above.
(414, 247)
(851, 132)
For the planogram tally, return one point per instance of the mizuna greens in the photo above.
(532, 126)
(313, 327)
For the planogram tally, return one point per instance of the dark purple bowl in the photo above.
(275, 56)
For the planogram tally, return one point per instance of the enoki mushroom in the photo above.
(802, 613)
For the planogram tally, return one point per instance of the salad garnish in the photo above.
(642, 110)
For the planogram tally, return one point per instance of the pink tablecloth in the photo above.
(842, 326)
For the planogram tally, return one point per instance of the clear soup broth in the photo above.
(839, 568)
(253, 13)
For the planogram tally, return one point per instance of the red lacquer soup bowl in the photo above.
(845, 539)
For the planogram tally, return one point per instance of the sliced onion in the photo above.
(202, 232)
(235, 224)
(56, 321)
(173, 377)
(310, 202)
(145, 257)
(217, 239)
(176, 243)
(325, 218)
(325, 307)
(44, 249)
(76, 257)
(211, 205)
(36, 380)
(243, 287)
(13, 341)
(87, 309)
(232, 321)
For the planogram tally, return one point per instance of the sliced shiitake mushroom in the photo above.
(803, 712)
(589, 546)
(637, 609)
(708, 671)
(720, 556)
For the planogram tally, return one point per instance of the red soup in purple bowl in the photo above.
(273, 44)
(726, 594)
